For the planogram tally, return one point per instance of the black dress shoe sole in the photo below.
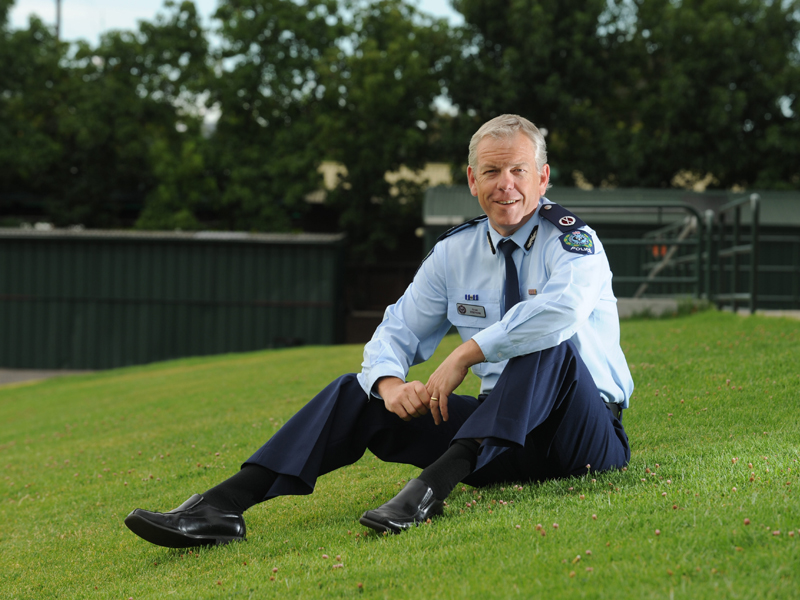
(169, 538)
(379, 527)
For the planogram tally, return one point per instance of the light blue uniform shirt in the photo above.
(564, 295)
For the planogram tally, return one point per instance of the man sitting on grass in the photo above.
(528, 287)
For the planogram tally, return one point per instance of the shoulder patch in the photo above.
(561, 217)
(579, 242)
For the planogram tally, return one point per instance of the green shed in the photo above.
(625, 218)
(101, 299)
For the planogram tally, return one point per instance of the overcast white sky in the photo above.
(86, 19)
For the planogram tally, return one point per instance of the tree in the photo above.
(133, 97)
(634, 92)
(556, 62)
(185, 191)
(267, 91)
(30, 79)
(716, 86)
(380, 84)
(81, 124)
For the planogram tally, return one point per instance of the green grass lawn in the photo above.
(715, 433)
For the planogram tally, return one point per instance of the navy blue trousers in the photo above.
(544, 419)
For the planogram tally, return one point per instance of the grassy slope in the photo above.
(78, 454)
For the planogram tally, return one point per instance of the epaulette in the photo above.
(561, 217)
(457, 228)
(451, 231)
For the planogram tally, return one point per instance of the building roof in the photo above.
(451, 205)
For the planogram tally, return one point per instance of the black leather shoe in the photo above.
(413, 505)
(193, 523)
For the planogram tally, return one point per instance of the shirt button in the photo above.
(499, 355)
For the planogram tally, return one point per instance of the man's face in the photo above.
(506, 182)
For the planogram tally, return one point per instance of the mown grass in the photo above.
(715, 394)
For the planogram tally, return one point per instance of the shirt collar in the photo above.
(521, 235)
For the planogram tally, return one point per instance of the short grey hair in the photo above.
(506, 126)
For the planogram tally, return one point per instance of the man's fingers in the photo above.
(408, 400)
(420, 398)
(443, 408)
(422, 395)
(439, 406)
(437, 418)
(414, 406)
(410, 408)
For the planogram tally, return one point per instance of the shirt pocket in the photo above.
(472, 310)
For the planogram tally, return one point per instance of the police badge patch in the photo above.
(578, 242)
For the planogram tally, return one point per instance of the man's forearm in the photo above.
(385, 385)
(467, 354)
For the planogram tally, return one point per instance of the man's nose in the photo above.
(505, 181)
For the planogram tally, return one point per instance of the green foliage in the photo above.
(546, 60)
(380, 84)
(300, 82)
(84, 122)
(30, 80)
(633, 93)
(292, 82)
(267, 88)
(132, 102)
(646, 93)
(183, 190)
(5, 7)
(715, 394)
(716, 92)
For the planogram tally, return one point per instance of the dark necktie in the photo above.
(507, 247)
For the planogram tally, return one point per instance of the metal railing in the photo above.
(665, 244)
(691, 234)
(715, 255)
(735, 250)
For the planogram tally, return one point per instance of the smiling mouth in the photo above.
(506, 202)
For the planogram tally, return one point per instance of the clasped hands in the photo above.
(409, 400)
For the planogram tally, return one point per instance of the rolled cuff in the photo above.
(494, 342)
(368, 380)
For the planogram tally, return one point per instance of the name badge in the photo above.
(471, 310)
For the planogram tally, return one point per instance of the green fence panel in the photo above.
(95, 300)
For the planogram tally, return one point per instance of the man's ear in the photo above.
(544, 179)
(473, 184)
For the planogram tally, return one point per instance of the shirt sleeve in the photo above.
(563, 305)
(411, 328)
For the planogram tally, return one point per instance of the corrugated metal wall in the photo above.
(95, 300)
